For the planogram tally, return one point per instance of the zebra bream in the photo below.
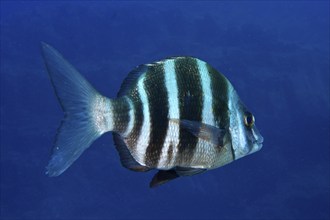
(178, 115)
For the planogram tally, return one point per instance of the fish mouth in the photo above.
(259, 141)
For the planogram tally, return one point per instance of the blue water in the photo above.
(276, 54)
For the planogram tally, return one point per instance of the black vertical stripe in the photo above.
(138, 115)
(190, 103)
(120, 108)
(219, 88)
(158, 106)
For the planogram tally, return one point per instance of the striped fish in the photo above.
(178, 115)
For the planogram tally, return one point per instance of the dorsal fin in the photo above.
(133, 76)
(126, 158)
(131, 79)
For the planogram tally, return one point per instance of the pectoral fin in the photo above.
(206, 132)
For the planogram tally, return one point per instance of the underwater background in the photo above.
(276, 54)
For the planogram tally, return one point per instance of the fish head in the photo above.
(245, 137)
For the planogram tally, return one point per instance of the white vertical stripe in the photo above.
(173, 130)
(207, 113)
(236, 126)
(172, 89)
(143, 140)
(131, 118)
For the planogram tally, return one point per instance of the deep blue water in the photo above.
(276, 54)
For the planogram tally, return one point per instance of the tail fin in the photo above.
(87, 114)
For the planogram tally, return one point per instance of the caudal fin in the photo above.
(86, 112)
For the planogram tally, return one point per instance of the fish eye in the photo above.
(249, 120)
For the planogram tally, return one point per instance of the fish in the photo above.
(179, 116)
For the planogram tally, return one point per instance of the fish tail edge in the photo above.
(87, 114)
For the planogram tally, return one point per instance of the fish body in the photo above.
(178, 115)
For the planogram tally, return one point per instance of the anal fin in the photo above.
(126, 158)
